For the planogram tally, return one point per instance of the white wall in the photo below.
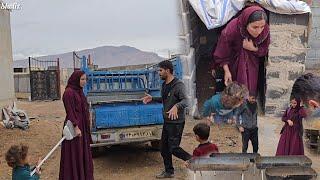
(6, 60)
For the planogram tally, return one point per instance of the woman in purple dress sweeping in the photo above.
(291, 142)
(242, 42)
(76, 159)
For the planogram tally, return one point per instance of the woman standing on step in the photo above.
(242, 42)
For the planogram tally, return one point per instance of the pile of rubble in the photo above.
(14, 117)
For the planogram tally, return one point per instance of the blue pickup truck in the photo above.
(117, 113)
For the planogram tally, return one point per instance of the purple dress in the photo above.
(76, 159)
(291, 142)
(243, 64)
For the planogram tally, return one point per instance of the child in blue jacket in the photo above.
(224, 105)
(17, 158)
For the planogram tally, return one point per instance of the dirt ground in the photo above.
(127, 162)
(118, 162)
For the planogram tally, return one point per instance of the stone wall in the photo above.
(286, 59)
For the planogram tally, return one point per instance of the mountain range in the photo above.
(104, 57)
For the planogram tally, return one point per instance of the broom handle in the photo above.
(48, 155)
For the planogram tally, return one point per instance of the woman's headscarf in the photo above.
(74, 84)
(74, 80)
(243, 22)
(298, 106)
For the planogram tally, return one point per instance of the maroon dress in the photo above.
(291, 142)
(76, 159)
(243, 64)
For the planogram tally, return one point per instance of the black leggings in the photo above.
(252, 135)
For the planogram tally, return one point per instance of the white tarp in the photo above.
(216, 13)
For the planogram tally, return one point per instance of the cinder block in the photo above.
(316, 21)
(289, 41)
(300, 58)
(273, 74)
(313, 34)
(317, 31)
(315, 11)
(276, 93)
(185, 22)
(294, 74)
(280, 19)
(299, 19)
(271, 108)
(183, 49)
(183, 5)
(315, 3)
(188, 84)
(315, 44)
(314, 64)
(185, 65)
(311, 54)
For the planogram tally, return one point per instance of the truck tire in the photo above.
(97, 151)
(156, 144)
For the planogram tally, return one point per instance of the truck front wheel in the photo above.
(156, 144)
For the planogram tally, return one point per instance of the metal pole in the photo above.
(29, 65)
(30, 79)
(58, 84)
(48, 155)
(74, 61)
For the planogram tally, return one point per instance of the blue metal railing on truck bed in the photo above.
(126, 80)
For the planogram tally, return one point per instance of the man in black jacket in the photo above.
(174, 99)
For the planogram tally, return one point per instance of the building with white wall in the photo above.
(6, 60)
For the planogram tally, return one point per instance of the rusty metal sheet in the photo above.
(251, 156)
(291, 173)
(275, 161)
(220, 164)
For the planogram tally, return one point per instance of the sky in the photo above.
(47, 27)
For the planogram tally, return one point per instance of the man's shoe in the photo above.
(165, 174)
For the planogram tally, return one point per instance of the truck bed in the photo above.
(126, 114)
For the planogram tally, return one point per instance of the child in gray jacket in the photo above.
(247, 116)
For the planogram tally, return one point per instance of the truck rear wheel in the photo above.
(156, 144)
(97, 151)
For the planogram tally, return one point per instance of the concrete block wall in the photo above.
(286, 59)
(313, 54)
(187, 54)
(287, 56)
(6, 60)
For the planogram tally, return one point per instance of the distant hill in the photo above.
(105, 57)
